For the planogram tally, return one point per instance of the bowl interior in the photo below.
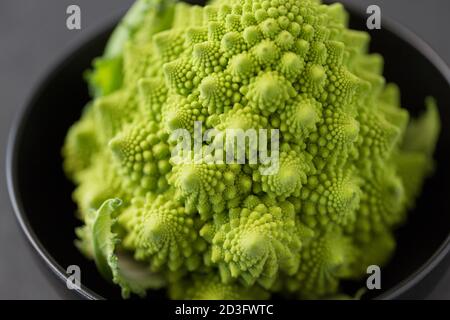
(44, 194)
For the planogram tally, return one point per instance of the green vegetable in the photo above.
(350, 162)
(111, 263)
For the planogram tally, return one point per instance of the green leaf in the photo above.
(106, 77)
(114, 264)
(423, 132)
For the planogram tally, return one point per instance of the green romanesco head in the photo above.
(348, 164)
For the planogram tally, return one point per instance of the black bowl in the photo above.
(41, 195)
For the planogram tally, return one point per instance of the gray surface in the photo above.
(33, 34)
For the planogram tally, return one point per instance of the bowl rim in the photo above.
(69, 53)
(425, 49)
(62, 59)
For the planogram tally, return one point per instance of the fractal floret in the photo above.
(349, 160)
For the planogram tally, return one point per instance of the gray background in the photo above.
(33, 34)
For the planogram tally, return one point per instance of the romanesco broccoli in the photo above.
(350, 162)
